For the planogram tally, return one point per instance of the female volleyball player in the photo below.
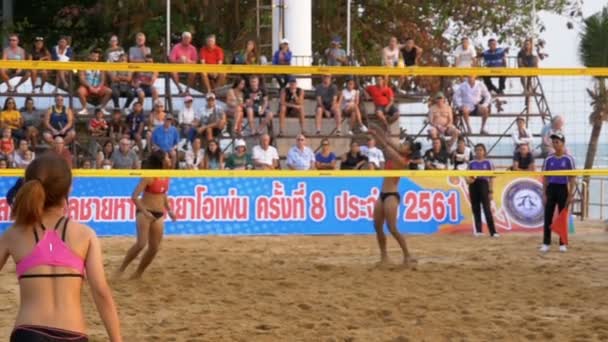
(150, 213)
(52, 255)
(481, 190)
(387, 205)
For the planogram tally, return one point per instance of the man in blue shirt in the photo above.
(495, 57)
(166, 138)
(558, 190)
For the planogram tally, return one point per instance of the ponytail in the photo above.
(29, 203)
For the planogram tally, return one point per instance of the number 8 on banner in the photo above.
(425, 206)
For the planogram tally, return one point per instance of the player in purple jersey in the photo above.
(481, 190)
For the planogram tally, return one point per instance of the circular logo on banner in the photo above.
(523, 202)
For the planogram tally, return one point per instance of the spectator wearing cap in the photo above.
(138, 53)
(39, 52)
(195, 155)
(117, 126)
(14, 52)
(558, 190)
(212, 54)
(325, 159)
(166, 138)
(213, 119)
(265, 156)
(521, 135)
(495, 57)
(158, 114)
(143, 83)
(62, 52)
(300, 156)
(292, 105)
(384, 101)
(282, 57)
(326, 94)
(335, 55)
(240, 159)
(546, 148)
(122, 84)
(124, 157)
(184, 53)
(93, 86)
(441, 120)
(188, 118)
(472, 98)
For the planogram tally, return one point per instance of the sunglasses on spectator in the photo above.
(13, 39)
(301, 139)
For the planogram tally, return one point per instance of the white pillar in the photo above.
(298, 30)
(276, 26)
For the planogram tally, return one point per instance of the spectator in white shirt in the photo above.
(187, 117)
(465, 54)
(472, 98)
(265, 157)
(375, 157)
(521, 135)
(300, 157)
(195, 156)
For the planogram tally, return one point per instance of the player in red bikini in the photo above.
(150, 214)
(387, 205)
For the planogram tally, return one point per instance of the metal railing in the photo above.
(596, 200)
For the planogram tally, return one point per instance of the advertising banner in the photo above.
(330, 205)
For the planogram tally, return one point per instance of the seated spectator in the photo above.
(213, 119)
(473, 99)
(353, 159)
(59, 122)
(212, 54)
(23, 156)
(114, 51)
(7, 145)
(375, 156)
(465, 54)
(188, 119)
(62, 52)
(527, 59)
(106, 164)
(105, 154)
(135, 123)
(436, 158)
(122, 85)
(390, 53)
(195, 156)
(117, 126)
(158, 114)
(416, 158)
(521, 135)
(325, 159)
(11, 118)
(495, 57)
(61, 150)
(139, 52)
(32, 120)
(3, 164)
(86, 164)
(335, 55)
(235, 101)
(124, 157)
(300, 156)
(461, 156)
(441, 120)
(98, 127)
(256, 105)
(411, 57)
(326, 94)
(166, 138)
(282, 57)
(184, 53)
(214, 157)
(523, 160)
(292, 104)
(240, 159)
(93, 86)
(247, 56)
(265, 156)
(39, 53)
(143, 83)
(546, 147)
(13, 52)
(383, 98)
(348, 102)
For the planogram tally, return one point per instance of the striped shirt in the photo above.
(480, 165)
(555, 163)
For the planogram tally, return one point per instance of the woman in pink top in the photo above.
(52, 255)
(185, 53)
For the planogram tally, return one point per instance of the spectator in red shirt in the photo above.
(184, 53)
(212, 54)
(383, 98)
